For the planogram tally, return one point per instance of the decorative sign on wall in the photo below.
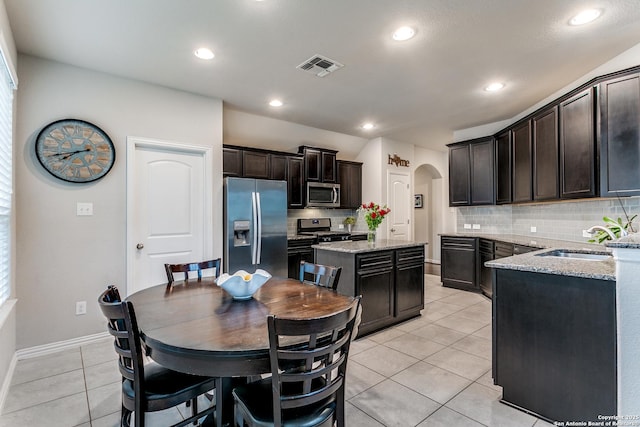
(395, 159)
(417, 200)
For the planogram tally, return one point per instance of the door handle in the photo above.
(139, 246)
(393, 230)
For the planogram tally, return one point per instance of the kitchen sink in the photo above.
(577, 255)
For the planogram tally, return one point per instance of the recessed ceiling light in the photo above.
(403, 33)
(585, 17)
(204, 53)
(368, 126)
(275, 103)
(494, 87)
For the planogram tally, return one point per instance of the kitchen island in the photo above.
(389, 275)
(554, 333)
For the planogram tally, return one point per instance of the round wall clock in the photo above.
(75, 150)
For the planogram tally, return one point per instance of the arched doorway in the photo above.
(428, 220)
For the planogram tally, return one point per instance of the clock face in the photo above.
(75, 150)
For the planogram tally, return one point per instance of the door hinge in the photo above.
(407, 221)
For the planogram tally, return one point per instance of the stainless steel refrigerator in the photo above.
(255, 226)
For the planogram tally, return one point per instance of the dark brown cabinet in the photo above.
(481, 159)
(545, 155)
(375, 282)
(620, 136)
(409, 289)
(295, 182)
(459, 175)
(558, 363)
(577, 146)
(319, 164)
(278, 170)
(231, 162)
(503, 168)
(460, 267)
(521, 163)
(350, 180)
(255, 164)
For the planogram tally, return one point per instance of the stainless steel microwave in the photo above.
(323, 195)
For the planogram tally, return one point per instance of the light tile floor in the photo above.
(431, 371)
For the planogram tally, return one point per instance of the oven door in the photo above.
(320, 195)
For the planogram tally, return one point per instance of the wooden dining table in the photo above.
(197, 328)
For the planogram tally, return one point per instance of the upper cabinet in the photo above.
(471, 173)
(319, 164)
(521, 163)
(577, 146)
(295, 182)
(350, 180)
(231, 161)
(545, 155)
(620, 136)
(503, 168)
(256, 164)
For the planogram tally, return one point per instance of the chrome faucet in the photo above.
(591, 230)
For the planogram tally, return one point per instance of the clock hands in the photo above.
(68, 154)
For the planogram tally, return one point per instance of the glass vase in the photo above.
(371, 236)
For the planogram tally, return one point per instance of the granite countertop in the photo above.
(362, 246)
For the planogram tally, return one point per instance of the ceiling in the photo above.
(418, 91)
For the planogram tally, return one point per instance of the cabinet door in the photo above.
(459, 175)
(459, 265)
(231, 162)
(375, 282)
(577, 146)
(545, 155)
(482, 155)
(278, 168)
(295, 183)
(503, 168)
(409, 281)
(620, 136)
(521, 146)
(255, 164)
(350, 180)
(312, 164)
(329, 171)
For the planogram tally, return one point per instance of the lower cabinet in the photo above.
(557, 362)
(391, 283)
(298, 250)
(460, 265)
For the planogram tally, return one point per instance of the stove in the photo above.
(320, 228)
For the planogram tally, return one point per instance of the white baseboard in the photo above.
(41, 350)
(4, 390)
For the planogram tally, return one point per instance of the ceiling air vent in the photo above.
(319, 65)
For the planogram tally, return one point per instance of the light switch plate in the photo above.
(534, 229)
(476, 226)
(467, 226)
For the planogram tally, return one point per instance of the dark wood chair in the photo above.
(147, 387)
(313, 393)
(192, 266)
(321, 275)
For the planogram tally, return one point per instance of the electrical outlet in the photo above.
(476, 226)
(340, 226)
(81, 308)
(585, 233)
(84, 209)
(467, 226)
(534, 229)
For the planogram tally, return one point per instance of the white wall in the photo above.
(7, 310)
(62, 258)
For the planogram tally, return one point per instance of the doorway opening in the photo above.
(428, 220)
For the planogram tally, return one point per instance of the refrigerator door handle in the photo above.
(254, 213)
(259, 228)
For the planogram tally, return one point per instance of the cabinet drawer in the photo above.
(410, 256)
(503, 249)
(375, 261)
(459, 242)
(522, 249)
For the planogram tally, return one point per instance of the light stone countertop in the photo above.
(533, 262)
(362, 246)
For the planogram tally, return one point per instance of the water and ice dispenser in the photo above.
(241, 231)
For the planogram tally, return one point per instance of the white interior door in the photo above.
(168, 209)
(400, 201)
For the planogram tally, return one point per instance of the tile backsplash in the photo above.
(337, 217)
(553, 220)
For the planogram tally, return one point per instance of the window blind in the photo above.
(6, 112)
